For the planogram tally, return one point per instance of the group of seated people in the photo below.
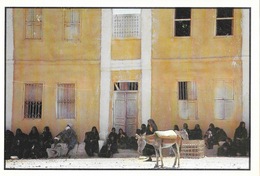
(35, 145)
(239, 146)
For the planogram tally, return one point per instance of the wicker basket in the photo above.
(192, 149)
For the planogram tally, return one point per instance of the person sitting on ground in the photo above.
(209, 136)
(227, 149)
(196, 133)
(112, 140)
(122, 139)
(34, 143)
(185, 132)
(91, 141)
(67, 136)
(241, 139)
(9, 137)
(220, 135)
(149, 149)
(19, 145)
(143, 129)
(46, 140)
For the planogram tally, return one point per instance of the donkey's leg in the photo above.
(178, 153)
(175, 153)
(161, 156)
(156, 154)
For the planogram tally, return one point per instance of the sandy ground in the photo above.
(232, 163)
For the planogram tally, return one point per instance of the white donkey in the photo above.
(160, 140)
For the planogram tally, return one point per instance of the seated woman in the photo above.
(20, 143)
(46, 141)
(112, 140)
(91, 141)
(241, 139)
(122, 139)
(210, 136)
(227, 149)
(196, 133)
(34, 143)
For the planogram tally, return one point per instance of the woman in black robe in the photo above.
(20, 143)
(46, 140)
(240, 139)
(149, 149)
(34, 143)
(91, 141)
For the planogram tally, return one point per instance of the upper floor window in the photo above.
(66, 101)
(71, 24)
(182, 22)
(224, 21)
(33, 101)
(126, 23)
(33, 23)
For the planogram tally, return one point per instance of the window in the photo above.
(182, 22)
(33, 101)
(125, 86)
(33, 24)
(224, 99)
(224, 21)
(66, 101)
(71, 24)
(187, 100)
(126, 23)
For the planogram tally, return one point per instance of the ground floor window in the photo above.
(66, 101)
(33, 101)
(187, 100)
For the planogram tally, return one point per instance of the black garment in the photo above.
(46, 140)
(122, 140)
(112, 140)
(106, 151)
(149, 149)
(220, 135)
(20, 145)
(9, 137)
(195, 134)
(227, 149)
(210, 137)
(91, 143)
(34, 150)
(241, 140)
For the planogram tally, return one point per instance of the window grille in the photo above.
(72, 24)
(125, 86)
(188, 100)
(33, 101)
(126, 26)
(224, 21)
(182, 22)
(66, 101)
(33, 24)
(224, 99)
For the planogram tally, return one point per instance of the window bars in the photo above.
(33, 101)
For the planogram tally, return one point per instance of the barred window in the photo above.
(126, 25)
(33, 23)
(224, 21)
(66, 101)
(33, 101)
(125, 86)
(182, 22)
(188, 100)
(71, 24)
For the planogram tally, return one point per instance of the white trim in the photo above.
(146, 48)
(245, 66)
(126, 65)
(106, 34)
(9, 68)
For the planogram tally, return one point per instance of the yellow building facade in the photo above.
(119, 67)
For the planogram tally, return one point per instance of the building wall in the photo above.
(53, 60)
(201, 57)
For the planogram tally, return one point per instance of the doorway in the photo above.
(126, 107)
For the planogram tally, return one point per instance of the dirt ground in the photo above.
(240, 163)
